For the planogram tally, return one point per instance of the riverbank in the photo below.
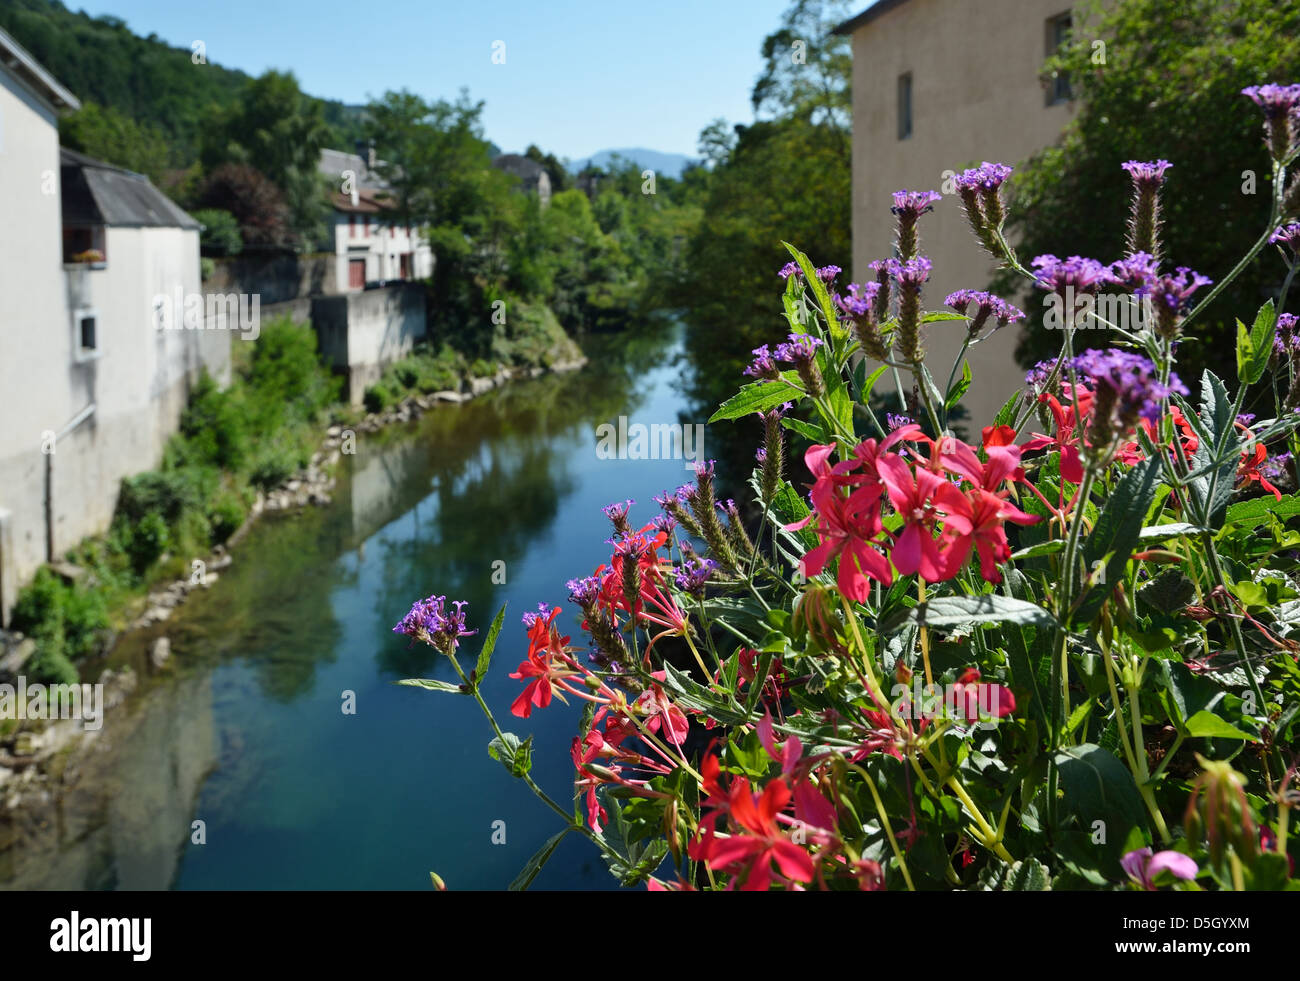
(241, 727)
(36, 754)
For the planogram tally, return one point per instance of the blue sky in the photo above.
(579, 75)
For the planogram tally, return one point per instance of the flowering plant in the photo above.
(1059, 655)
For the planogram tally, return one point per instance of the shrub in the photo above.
(377, 397)
(220, 235)
(67, 623)
(226, 515)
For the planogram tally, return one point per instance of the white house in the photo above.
(369, 246)
(90, 388)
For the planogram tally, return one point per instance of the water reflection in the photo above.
(246, 730)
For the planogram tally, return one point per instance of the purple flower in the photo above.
(430, 622)
(1276, 468)
(693, 575)
(529, 619)
(1036, 377)
(1276, 100)
(986, 305)
(1083, 275)
(1285, 338)
(1142, 866)
(789, 269)
(895, 421)
(760, 455)
(1147, 176)
(583, 592)
(911, 273)
(1245, 419)
(800, 349)
(617, 513)
(910, 205)
(1138, 273)
(859, 301)
(1175, 291)
(986, 177)
(763, 367)
(664, 522)
(827, 274)
(776, 413)
(704, 469)
(1126, 382)
(1288, 235)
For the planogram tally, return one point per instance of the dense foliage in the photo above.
(1168, 87)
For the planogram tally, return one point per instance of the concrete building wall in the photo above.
(976, 95)
(362, 333)
(276, 278)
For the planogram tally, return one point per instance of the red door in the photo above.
(357, 274)
(406, 265)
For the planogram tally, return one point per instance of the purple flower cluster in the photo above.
(1288, 235)
(1276, 100)
(1084, 275)
(911, 273)
(429, 621)
(859, 302)
(694, 574)
(789, 269)
(986, 305)
(800, 349)
(827, 274)
(583, 592)
(1128, 382)
(1286, 339)
(1036, 377)
(1138, 273)
(911, 205)
(986, 177)
(530, 619)
(664, 523)
(1174, 292)
(1147, 176)
(894, 421)
(763, 367)
(617, 514)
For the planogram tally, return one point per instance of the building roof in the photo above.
(529, 171)
(96, 193)
(370, 201)
(22, 65)
(334, 162)
(868, 15)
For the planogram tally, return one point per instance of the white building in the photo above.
(369, 246)
(90, 390)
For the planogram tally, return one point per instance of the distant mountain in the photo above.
(664, 164)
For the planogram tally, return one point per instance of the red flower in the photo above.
(544, 643)
(979, 521)
(759, 842)
(1248, 471)
(919, 496)
(1066, 441)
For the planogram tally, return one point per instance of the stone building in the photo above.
(939, 86)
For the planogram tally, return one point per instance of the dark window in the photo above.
(1058, 32)
(87, 327)
(904, 106)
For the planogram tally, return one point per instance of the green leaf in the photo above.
(818, 288)
(1158, 533)
(1028, 875)
(954, 611)
(1042, 548)
(1208, 725)
(1116, 533)
(941, 315)
(809, 431)
(1098, 787)
(529, 872)
(432, 685)
(867, 386)
(515, 756)
(1256, 511)
(489, 643)
(1254, 347)
(758, 397)
(1007, 414)
(960, 388)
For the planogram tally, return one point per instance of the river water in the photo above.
(245, 731)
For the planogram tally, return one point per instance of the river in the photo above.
(244, 729)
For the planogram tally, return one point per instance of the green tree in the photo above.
(279, 131)
(106, 134)
(1169, 87)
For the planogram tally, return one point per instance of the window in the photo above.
(352, 226)
(84, 244)
(904, 106)
(1058, 32)
(85, 334)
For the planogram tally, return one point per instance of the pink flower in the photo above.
(1142, 866)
